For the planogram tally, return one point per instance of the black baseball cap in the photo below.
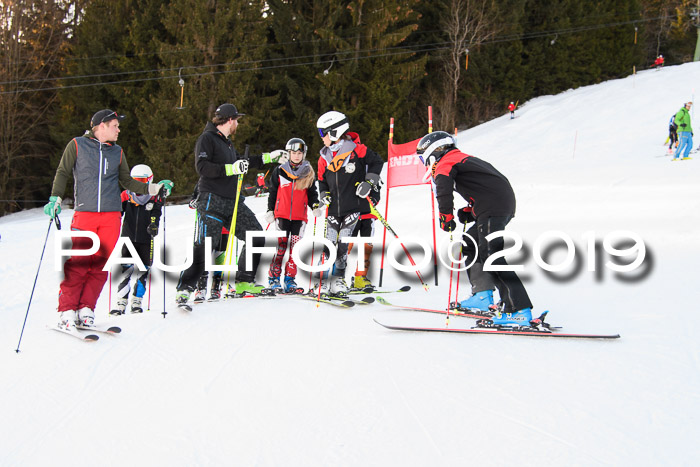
(104, 116)
(227, 111)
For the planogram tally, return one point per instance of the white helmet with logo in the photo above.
(142, 171)
(334, 124)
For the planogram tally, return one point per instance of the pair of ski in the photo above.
(88, 333)
(545, 331)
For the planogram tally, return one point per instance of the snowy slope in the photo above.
(282, 382)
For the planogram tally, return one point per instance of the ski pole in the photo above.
(150, 275)
(232, 229)
(323, 259)
(313, 245)
(58, 226)
(449, 293)
(388, 227)
(165, 249)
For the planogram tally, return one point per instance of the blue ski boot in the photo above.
(275, 283)
(290, 285)
(519, 318)
(480, 301)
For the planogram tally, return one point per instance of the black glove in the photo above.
(152, 229)
(193, 203)
(684, 125)
(447, 222)
(465, 215)
(326, 197)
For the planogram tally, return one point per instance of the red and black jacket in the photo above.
(284, 200)
(477, 181)
(341, 173)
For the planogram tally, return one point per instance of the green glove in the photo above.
(277, 155)
(237, 168)
(168, 186)
(53, 208)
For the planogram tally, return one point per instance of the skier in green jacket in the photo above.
(685, 132)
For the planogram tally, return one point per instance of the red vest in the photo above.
(291, 204)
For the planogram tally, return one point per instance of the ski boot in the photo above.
(338, 287)
(520, 318)
(275, 283)
(120, 309)
(249, 288)
(215, 292)
(67, 320)
(86, 317)
(200, 295)
(136, 304)
(480, 301)
(324, 286)
(291, 287)
(181, 299)
(363, 284)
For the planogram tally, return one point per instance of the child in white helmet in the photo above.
(141, 218)
(347, 172)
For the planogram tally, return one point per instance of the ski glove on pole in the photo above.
(237, 168)
(372, 181)
(53, 208)
(466, 215)
(447, 222)
(162, 188)
(269, 217)
(152, 229)
(326, 198)
(317, 210)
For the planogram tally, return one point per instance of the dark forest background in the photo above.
(285, 62)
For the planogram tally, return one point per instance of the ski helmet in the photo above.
(296, 144)
(334, 124)
(142, 173)
(432, 147)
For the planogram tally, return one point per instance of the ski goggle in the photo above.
(143, 179)
(296, 147)
(325, 131)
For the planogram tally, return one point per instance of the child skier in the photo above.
(141, 220)
(492, 207)
(347, 171)
(292, 189)
(511, 109)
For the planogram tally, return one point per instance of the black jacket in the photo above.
(488, 190)
(212, 152)
(137, 217)
(339, 174)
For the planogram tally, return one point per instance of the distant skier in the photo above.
(511, 108)
(292, 191)
(141, 219)
(659, 62)
(492, 206)
(685, 132)
(347, 170)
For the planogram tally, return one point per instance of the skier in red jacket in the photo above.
(511, 108)
(492, 206)
(292, 191)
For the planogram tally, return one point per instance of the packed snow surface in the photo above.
(285, 382)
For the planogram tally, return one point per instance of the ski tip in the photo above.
(383, 301)
(368, 300)
(405, 288)
(91, 337)
(114, 329)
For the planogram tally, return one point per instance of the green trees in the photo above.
(285, 62)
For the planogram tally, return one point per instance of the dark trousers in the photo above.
(215, 212)
(510, 288)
